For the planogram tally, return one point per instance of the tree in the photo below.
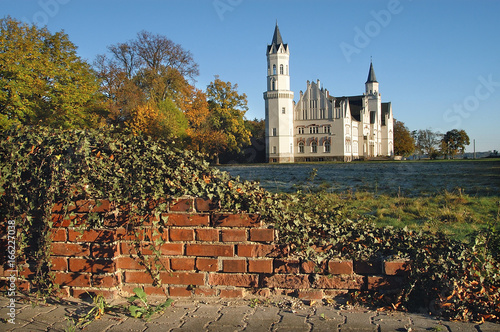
(227, 117)
(149, 73)
(427, 143)
(404, 145)
(43, 81)
(454, 142)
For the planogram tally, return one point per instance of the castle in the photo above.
(321, 127)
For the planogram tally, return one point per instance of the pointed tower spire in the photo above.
(371, 75)
(277, 40)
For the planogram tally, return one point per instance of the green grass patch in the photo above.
(453, 213)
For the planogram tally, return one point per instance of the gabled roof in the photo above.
(371, 75)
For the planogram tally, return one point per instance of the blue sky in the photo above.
(437, 61)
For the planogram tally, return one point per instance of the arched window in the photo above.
(274, 85)
(327, 147)
(314, 147)
(301, 147)
(274, 69)
(281, 70)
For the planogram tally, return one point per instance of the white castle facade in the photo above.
(321, 127)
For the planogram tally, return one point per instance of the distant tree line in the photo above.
(144, 86)
(425, 142)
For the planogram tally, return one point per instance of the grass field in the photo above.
(453, 213)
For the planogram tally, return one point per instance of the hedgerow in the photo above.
(41, 166)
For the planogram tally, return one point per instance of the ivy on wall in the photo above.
(40, 167)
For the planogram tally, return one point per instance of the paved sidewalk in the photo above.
(226, 315)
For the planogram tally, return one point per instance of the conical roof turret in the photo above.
(371, 75)
(277, 41)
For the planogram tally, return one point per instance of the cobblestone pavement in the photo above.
(226, 315)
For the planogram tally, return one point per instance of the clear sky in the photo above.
(437, 61)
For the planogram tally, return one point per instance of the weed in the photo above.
(98, 310)
(145, 310)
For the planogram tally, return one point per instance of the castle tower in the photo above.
(279, 102)
(374, 143)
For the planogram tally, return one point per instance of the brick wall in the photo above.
(206, 253)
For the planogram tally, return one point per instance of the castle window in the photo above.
(274, 69)
(274, 132)
(283, 110)
(274, 149)
(327, 147)
(314, 147)
(301, 147)
(281, 70)
(274, 85)
(301, 130)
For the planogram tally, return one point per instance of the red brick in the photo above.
(234, 265)
(58, 235)
(311, 295)
(231, 293)
(104, 281)
(181, 205)
(165, 249)
(84, 206)
(286, 266)
(261, 250)
(183, 278)
(340, 282)
(86, 293)
(104, 235)
(59, 220)
(172, 249)
(205, 205)
(59, 263)
(207, 264)
(205, 291)
(312, 267)
(234, 235)
(180, 291)
(188, 220)
(367, 267)
(125, 234)
(385, 283)
(237, 280)
(397, 268)
(90, 265)
(70, 249)
(72, 279)
(340, 267)
(236, 220)
(286, 281)
(262, 235)
(137, 277)
(207, 234)
(146, 234)
(177, 234)
(260, 265)
(128, 263)
(261, 292)
(104, 250)
(182, 264)
(149, 290)
(209, 250)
